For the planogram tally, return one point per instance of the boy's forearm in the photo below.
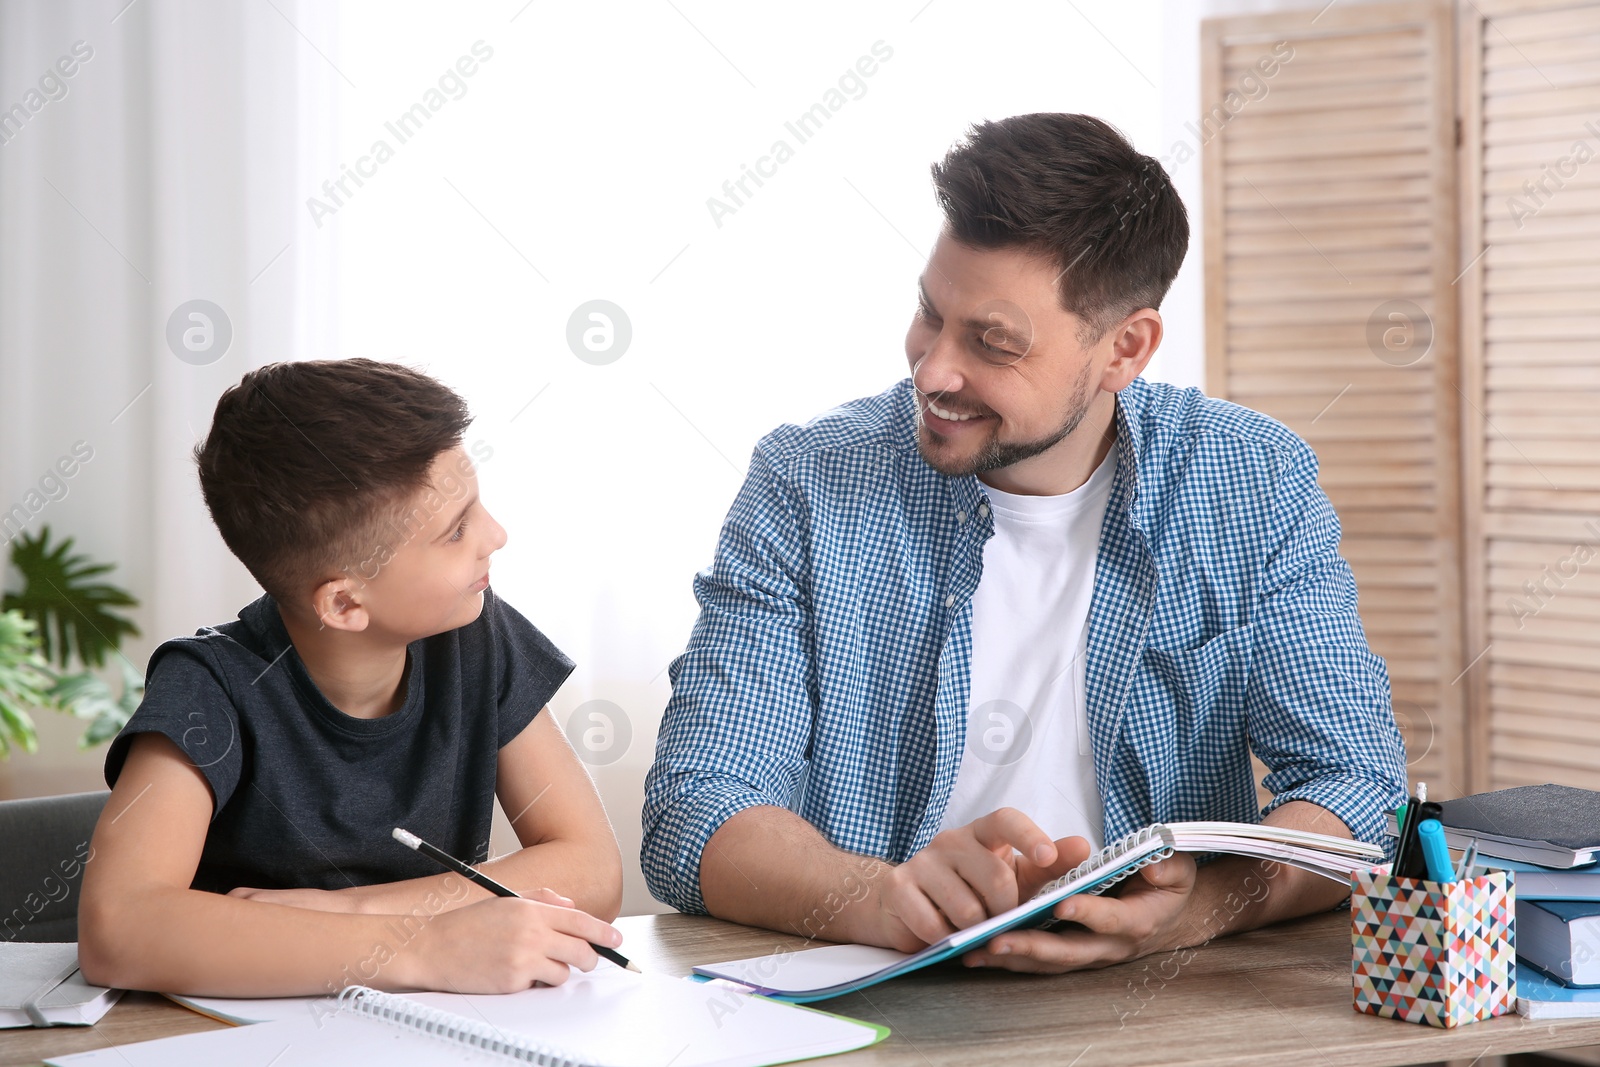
(590, 874)
(187, 941)
(587, 872)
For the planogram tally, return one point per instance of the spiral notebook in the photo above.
(608, 1017)
(831, 971)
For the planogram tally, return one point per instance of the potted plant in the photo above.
(55, 633)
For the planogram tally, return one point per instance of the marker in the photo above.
(472, 874)
(1405, 851)
(1430, 833)
(1416, 860)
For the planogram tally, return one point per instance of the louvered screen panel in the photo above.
(1531, 123)
(1329, 203)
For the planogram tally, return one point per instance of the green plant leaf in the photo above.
(24, 682)
(72, 610)
(87, 696)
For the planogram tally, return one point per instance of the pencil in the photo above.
(411, 840)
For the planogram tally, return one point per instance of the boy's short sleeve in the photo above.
(186, 699)
(529, 667)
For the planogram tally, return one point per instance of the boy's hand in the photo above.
(504, 945)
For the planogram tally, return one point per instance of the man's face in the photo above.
(999, 371)
(438, 561)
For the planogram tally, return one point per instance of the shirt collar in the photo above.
(1131, 404)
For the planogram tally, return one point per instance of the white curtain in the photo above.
(167, 167)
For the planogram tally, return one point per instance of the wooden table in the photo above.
(1274, 996)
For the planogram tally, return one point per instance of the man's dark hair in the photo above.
(1069, 187)
(309, 466)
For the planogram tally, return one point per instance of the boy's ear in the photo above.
(338, 605)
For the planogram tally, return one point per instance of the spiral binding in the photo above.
(453, 1028)
(1111, 856)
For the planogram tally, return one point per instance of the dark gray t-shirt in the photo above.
(305, 795)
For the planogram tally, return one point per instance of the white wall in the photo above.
(576, 166)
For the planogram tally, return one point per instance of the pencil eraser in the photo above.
(406, 838)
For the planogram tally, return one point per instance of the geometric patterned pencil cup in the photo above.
(1441, 953)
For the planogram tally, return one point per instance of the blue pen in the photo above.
(1430, 835)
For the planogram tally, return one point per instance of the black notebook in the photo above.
(1552, 825)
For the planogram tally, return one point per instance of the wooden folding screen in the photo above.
(1530, 109)
(1330, 241)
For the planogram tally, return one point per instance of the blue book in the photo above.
(1549, 883)
(1540, 997)
(831, 971)
(1561, 938)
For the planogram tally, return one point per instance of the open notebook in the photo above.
(608, 1017)
(818, 973)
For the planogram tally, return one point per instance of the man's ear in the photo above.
(337, 603)
(1133, 342)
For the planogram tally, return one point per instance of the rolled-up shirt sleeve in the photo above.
(1319, 703)
(736, 730)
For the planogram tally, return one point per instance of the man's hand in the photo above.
(1171, 905)
(968, 874)
(1148, 916)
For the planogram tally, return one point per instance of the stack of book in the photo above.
(1549, 835)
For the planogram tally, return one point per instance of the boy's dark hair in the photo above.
(308, 466)
(1072, 188)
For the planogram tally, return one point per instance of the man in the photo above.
(1021, 604)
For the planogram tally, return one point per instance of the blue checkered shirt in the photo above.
(828, 670)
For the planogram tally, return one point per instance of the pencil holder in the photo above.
(1441, 953)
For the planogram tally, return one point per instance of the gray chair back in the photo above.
(44, 843)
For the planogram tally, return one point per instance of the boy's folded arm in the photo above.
(567, 842)
(142, 927)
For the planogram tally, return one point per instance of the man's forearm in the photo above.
(1237, 893)
(768, 867)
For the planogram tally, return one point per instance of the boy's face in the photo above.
(438, 563)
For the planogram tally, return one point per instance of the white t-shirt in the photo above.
(1027, 724)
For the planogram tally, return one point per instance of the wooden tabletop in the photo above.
(1274, 996)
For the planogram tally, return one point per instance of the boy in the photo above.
(246, 849)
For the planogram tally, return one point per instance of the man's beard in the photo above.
(995, 454)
